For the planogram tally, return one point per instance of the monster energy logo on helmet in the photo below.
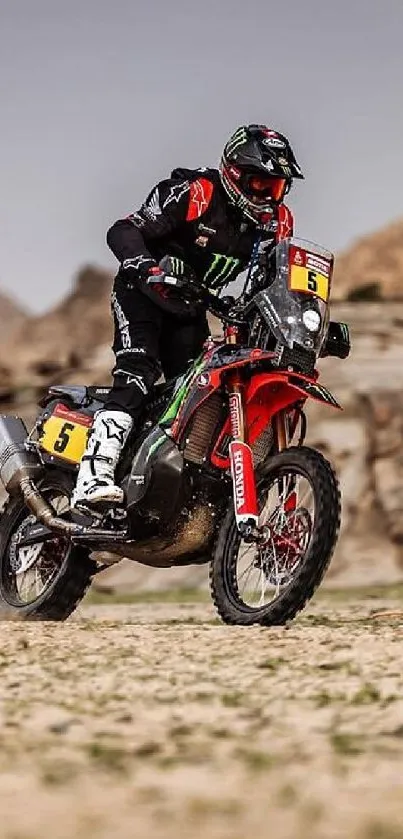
(238, 138)
(222, 270)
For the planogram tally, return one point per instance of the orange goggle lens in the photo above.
(273, 187)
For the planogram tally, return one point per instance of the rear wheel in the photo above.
(299, 519)
(47, 579)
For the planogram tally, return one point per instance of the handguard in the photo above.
(337, 343)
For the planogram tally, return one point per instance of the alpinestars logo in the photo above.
(136, 262)
(132, 379)
(113, 429)
(199, 198)
(138, 381)
(286, 223)
(176, 193)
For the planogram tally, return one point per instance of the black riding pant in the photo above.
(148, 342)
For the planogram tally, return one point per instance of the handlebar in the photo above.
(220, 307)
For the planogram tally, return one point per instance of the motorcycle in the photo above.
(216, 473)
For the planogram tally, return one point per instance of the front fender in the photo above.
(281, 388)
(268, 393)
(265, 395)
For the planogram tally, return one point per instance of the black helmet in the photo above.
(257, 169)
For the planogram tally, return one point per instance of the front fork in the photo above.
(280, 428)
(241, 455)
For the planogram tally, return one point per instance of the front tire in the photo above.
(56, 576)
(299, 547)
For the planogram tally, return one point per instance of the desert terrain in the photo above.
(152, 719)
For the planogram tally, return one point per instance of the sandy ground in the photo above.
(153, 720)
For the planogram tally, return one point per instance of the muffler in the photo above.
(19, 467)
(16, 461)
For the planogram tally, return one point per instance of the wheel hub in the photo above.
(27, 557)
(282, 548)
(24, 557)
(21, 558)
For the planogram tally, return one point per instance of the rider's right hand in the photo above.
(139, 268)
(147, 272)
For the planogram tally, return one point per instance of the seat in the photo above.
(77, 394)
(100, 394)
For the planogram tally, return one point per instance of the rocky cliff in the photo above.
(372, 268)
(63, 340)
(12, 315)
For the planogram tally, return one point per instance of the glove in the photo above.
(178, 279)
(168, 284)
(337, 343)
(137, 268)
(144, 271)
(170, 273)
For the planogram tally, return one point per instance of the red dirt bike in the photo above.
(218, 474)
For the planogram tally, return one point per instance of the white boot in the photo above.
(96, 476)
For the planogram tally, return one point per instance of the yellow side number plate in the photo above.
(65, 434)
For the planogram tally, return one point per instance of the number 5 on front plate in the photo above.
(309, 281)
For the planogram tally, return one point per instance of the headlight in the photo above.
(311, 319)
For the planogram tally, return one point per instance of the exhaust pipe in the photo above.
(20, 466)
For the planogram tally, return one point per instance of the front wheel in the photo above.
(46, 579)
(299, 519)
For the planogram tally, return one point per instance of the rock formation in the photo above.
(372, 268)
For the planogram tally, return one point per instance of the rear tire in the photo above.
(316, 471)
(69, 582)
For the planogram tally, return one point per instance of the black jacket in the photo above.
(189, 216)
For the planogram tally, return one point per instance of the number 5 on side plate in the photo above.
(65, 434)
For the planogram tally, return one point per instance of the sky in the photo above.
(99, 100)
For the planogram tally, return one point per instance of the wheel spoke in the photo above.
(248, 571)
(287, 513)
(29, 572)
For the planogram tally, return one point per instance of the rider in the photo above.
(209, 220)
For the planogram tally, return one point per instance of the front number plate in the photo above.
(309, 273)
